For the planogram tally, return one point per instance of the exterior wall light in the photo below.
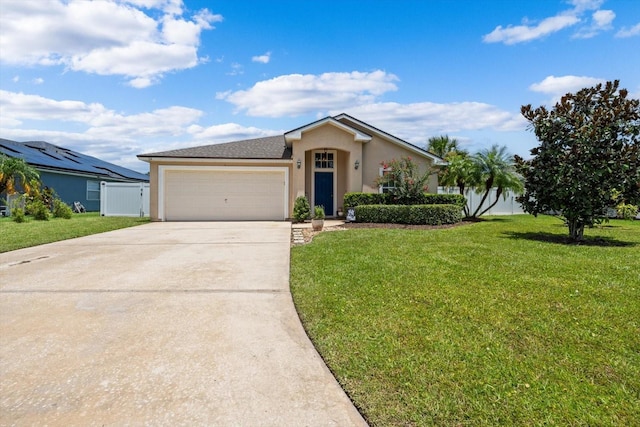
(299, 163)
(356, 164)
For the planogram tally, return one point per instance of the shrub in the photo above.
(61, 209)
(409, 214)
(405, 180)
(38, 209)
(17, 214)
(356, 199)
(301, 209)
(351, 200)
(318, 212)
(626, 211)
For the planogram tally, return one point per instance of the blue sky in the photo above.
(114, 79)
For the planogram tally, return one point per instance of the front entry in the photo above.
(323, 191)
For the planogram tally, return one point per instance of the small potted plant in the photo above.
(317, 222)
(340, 212)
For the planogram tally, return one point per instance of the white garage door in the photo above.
(224, 194)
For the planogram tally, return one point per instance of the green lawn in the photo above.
(493, 323)
(32, 233)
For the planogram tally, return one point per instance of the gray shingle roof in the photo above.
(270, 147)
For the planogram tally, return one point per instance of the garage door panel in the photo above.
(205, 195)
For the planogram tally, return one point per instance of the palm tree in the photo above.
(13, 172)
(443, 146)
(495, 167)
(461, 173)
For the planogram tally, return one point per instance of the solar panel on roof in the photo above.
(73, 160)
(9, 149)
(43, 154)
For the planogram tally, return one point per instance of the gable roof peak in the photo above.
(296, 134)
(352, 121)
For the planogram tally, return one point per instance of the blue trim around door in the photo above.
(323, 191)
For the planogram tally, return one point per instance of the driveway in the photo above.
(161, 324)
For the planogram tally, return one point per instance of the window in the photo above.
(386, 185)
(93, 190)
(323, 160)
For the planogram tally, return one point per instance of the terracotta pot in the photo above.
(317, 224)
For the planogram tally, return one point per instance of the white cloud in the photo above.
(601, 21)
(75, 34)
(172, 7)
(236, 69)
(603, 18)
(37, 81)
(229, 132)
(263, 59)
(15, 79)
(101, 122)
(297, 94)
(163, 122)
(415, 122)
(559, 86)
(629, 32)
(523, 33)
(106, 134)
(138, 59)
(583, 5)
(19, 106)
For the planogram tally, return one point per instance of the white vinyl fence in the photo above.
(505, 206)
(124, 199)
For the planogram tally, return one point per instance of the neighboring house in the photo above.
(75, 177)
(259, 179)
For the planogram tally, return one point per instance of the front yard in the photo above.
(31, 233)
(493, 323)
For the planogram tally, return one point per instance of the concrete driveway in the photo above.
(161, 324)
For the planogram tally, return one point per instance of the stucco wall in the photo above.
(379, 150)
(327, 137)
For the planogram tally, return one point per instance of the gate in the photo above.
(124, 199)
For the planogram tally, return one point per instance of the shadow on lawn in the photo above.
(565, 240)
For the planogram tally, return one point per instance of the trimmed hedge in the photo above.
(351, 200)
(433, 214)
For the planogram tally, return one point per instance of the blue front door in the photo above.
(323, 191)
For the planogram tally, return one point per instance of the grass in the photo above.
(32, 233)
(500, 322)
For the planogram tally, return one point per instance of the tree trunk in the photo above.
(484, 197)
(488, 185)
(495, 202)
(465, 208)
(576, 230)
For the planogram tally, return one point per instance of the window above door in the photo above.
(324, 159)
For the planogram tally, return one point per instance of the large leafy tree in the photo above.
(15, 172)
(589, 147)
(494, 168)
